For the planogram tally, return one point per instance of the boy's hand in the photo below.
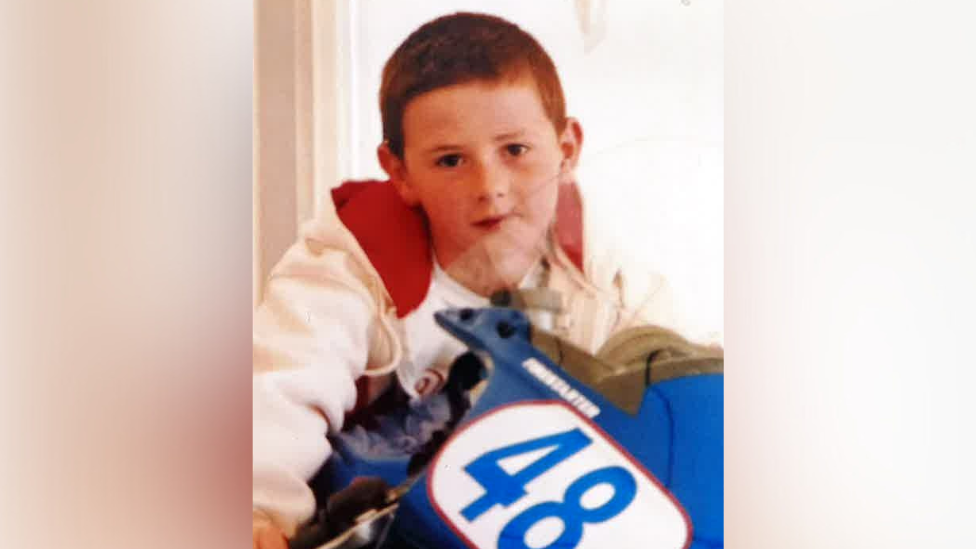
(268, 536)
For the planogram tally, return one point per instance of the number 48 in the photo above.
(502, 488)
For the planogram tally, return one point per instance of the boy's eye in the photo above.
(449, 161)
(516, 149)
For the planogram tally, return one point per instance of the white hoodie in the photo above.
(327, 319)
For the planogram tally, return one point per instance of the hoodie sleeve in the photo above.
(318, 327)
(647, 299)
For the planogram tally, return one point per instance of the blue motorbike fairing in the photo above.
(676, 435)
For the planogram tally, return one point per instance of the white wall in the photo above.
(649, 96)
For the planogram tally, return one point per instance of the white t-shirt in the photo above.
(429, 350)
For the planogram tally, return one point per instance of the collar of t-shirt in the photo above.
(456, 295)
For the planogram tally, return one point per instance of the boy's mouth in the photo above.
(491, 223)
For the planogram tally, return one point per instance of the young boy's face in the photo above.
(484, 162)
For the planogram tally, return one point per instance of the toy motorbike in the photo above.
(543, 445)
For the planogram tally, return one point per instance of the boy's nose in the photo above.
(491, 184)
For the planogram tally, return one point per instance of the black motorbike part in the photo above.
(341, 511)
(466, 372)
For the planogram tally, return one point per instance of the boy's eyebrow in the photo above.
(442, 148)
(510, 135)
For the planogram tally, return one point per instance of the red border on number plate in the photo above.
(606, 437)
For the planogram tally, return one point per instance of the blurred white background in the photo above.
(644, 78)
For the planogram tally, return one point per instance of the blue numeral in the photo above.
(571, 511)
(504, 489)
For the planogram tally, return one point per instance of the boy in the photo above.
(480, 156)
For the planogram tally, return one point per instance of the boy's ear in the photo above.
(396, 169)
(571, 142)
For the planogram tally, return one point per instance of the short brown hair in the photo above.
(459, 48)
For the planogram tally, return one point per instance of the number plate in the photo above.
(538, 474)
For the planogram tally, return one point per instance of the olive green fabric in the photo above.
(631, 361)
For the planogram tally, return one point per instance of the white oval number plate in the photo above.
(539, 475)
